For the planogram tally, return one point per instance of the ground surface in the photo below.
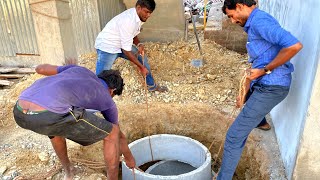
(199, 104)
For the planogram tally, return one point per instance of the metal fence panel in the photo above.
(85, 25)
(6, 45)
(20, 27)
(108, 9)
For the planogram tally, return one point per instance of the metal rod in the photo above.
(195, 32)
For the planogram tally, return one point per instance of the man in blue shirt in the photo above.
(270, 48)
(55, 106)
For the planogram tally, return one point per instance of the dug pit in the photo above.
(197, 121)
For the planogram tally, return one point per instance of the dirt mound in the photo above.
(198, 105)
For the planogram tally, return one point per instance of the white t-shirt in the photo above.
(119, 32)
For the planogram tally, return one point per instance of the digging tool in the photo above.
(195, 32)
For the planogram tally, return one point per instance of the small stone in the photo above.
(166, 100)
(2, 170)
(44, 156)
(29, 146)
(6, 178)
(222, 99)
(95, 176)
(14, 174)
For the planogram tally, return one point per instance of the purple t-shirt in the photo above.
(72, 86)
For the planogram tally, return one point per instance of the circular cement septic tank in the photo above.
(170, 148)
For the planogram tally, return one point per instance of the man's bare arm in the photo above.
(135, 60)
(47, 69)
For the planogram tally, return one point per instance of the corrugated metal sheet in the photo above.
(108, 9)
(6, 46)
(85, 22)
(20, 28)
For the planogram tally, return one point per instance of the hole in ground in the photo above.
(169, 168)
(197, 121)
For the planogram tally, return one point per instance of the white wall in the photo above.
(301, 18)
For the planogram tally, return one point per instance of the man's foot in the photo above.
(159, 89)
(265, 127)
(69, 175)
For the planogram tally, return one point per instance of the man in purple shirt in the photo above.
(270, 48)
(55, 106)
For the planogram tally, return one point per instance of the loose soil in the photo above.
(199, 105)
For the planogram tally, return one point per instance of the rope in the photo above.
(146, 94)
(44, 14)
(54, 170)
(242, 95)
(147, 104)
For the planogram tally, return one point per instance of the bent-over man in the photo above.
(55, 106)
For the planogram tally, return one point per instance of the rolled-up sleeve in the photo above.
(111, 114)
(270, 30)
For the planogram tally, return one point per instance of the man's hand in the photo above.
(144, 71)
(253, 74)
(141, 50)
(130, 162)
(238, 102)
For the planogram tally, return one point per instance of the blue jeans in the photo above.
(105, 61)
(262, 100)
(264, 120)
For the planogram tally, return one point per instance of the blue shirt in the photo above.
(265, 39)
(72, 86)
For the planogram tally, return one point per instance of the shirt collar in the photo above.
(104, 83)
(248, 23)
(137, 17)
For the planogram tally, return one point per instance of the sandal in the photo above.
(265, 127)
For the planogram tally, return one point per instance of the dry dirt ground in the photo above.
(199, 105)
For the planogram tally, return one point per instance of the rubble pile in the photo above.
(215, 83)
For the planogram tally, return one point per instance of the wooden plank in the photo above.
(8, 69)
(25, 71)
(11, 76)
(6, 83)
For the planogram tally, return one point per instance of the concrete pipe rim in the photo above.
(197, 170)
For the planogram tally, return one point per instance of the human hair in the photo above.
(149, 4)
(113, 79)
(231, 4)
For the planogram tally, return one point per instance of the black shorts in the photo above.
(77, 125)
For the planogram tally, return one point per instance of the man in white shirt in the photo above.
(119, 39)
